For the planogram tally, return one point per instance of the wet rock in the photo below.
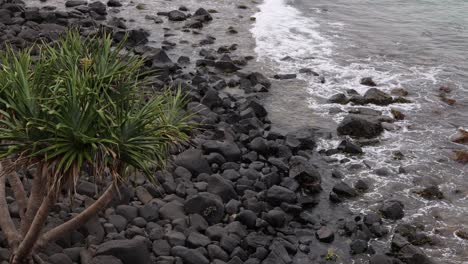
(98, 7)
(358, 246)
(349, 147)
(308, 71)
(278, 194)
(176, 15)
(128, 251)
(399, 92)
(74, 3)
(338, 99)
(361, 185)
(226, 65)
(377, 97)
(398, 115)
(413, 255)
(202, 15)
(431, 193)
(392, 209)
(359, 126)
(325, 234)
(114, 3)
(285, 76)
(368, 81)
(207, 205)
(194, 161)
(344, 190)
(462, 234)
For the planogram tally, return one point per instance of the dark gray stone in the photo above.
(325, 234)
(172, 210)
(105, 260)
(161, 248)
(377, 97)
(196, 240)
(223, 188)
(228, 149)
(360, 126)
(278, 194)
(189, 256)
(128, 251)
(207, 205)
(344, 190)
(194, 161)
(392, 209)
(176, 15)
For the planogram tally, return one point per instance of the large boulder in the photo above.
(360, 126)
(194, 161)
(128, 251)
(208, 205)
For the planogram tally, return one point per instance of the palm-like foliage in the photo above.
(80, 103)
(77, 105)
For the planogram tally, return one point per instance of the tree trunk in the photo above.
(35, 198)
(6, 223)
(80, 219)
(20, 193)
(26, 246)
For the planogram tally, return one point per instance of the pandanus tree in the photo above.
(76, 107)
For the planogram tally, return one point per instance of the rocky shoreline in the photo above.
(244, 191)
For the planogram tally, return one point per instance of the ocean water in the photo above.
(417, 45)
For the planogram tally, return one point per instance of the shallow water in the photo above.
(416, 45)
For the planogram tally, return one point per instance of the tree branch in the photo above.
(26, 246)
(80, 219)
(6, 223)
(20, 193)
(35, 198)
